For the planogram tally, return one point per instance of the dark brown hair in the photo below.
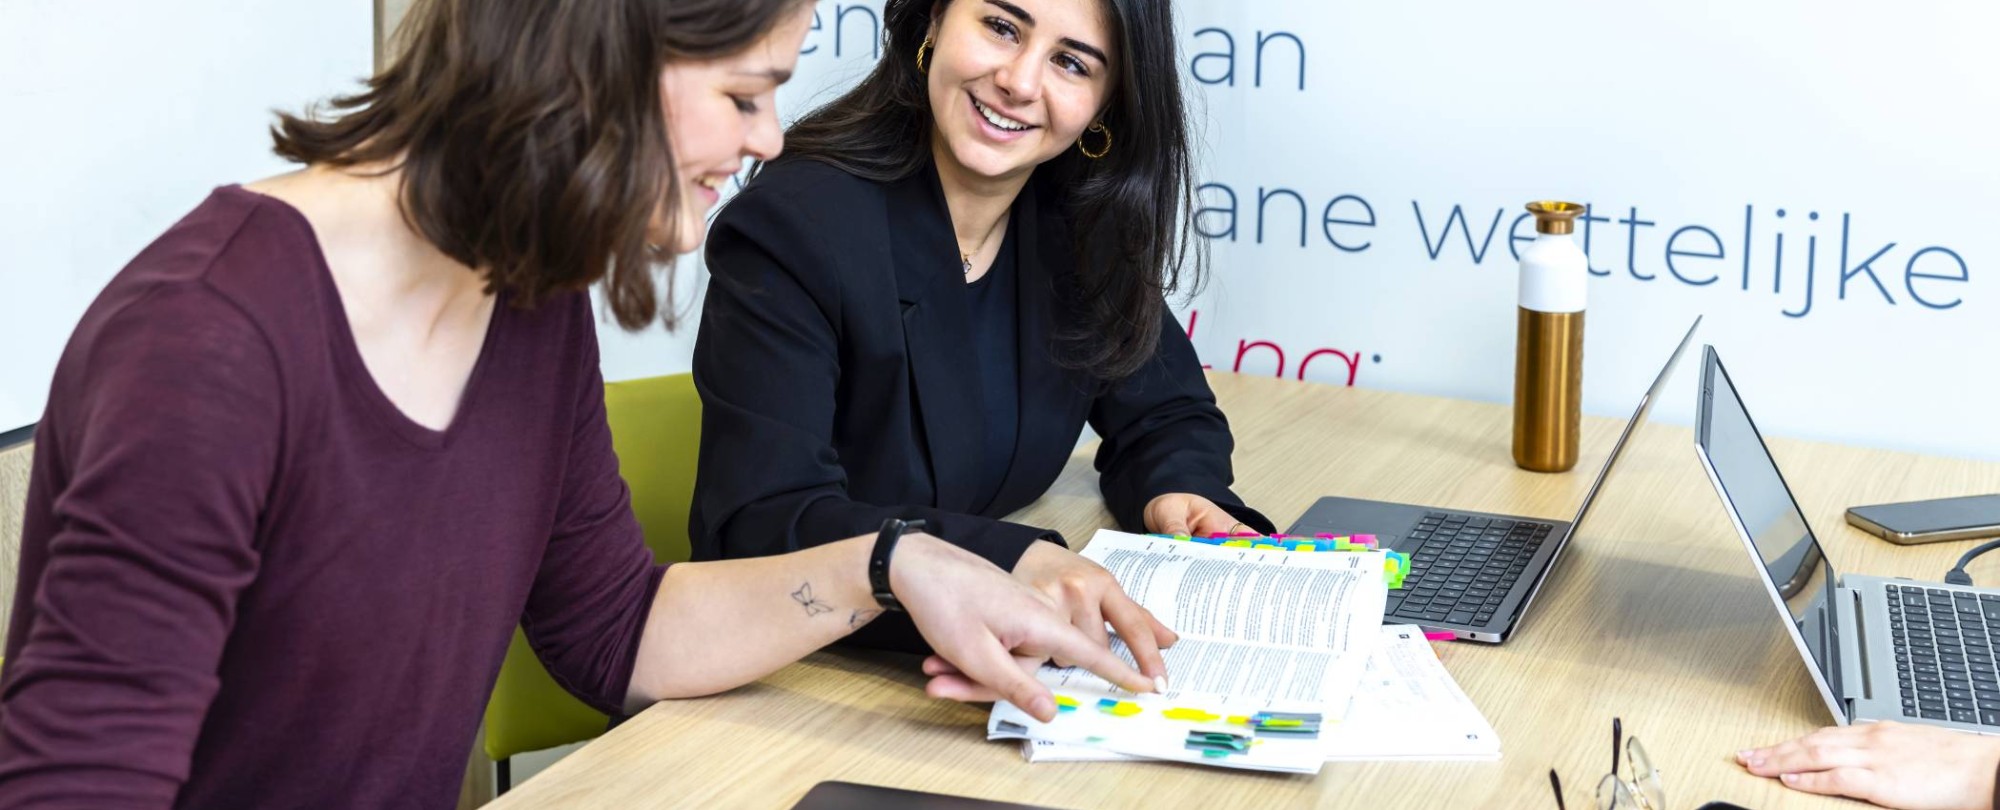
(1130, 214)
(530, 135)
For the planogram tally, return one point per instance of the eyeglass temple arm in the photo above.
(1617, 742)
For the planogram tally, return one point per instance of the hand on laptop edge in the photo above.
(1891, 764)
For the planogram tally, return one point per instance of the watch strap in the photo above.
(893, 530)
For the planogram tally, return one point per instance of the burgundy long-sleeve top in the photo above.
(248, 580)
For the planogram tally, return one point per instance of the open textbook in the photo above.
(1407, 708)
(1271, 641)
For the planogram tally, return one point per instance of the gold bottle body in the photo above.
(1548, 389)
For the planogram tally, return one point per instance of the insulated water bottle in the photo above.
(1548, 348)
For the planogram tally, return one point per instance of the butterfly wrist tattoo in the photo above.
(804, 596)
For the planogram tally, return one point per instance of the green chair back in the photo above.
(655, 429)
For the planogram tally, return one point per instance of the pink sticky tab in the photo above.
(1439, 635)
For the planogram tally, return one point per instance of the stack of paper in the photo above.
(1273, 644)
(1406, 708)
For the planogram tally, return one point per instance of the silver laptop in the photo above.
(1877, 648)
(1472, 574)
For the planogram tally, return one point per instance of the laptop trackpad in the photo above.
(1389, 522)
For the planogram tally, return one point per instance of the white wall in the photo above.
(119, 118)
(1876, 118)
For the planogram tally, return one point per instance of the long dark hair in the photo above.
(1129, 213)
(531, 136)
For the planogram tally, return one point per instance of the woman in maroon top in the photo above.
(315, 452)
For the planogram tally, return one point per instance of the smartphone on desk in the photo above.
(1933, 521)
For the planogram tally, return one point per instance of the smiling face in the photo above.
(1012, 83)
(720, 111)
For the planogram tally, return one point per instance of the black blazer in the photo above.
(837, 392)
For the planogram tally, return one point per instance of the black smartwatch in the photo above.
(893, 530)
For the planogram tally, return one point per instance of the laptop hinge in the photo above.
(1848, 633)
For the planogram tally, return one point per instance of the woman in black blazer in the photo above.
(954, 268)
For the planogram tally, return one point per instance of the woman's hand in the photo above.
(991, 631)
(1890, 764)
(1090, 596)
(1181, 513)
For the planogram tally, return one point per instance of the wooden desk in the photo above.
(1651, 615)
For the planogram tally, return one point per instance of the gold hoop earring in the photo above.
(921, 50)
(1099, 154)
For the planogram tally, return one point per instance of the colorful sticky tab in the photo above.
(1397, 567)
(1190, 715)
(1065, 703)
(1287, 724)
(1217, 742)
(1439, 635)
(1118, 708)
(1394, 571)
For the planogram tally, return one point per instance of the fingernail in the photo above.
(1160, 684)
(1755, 762)
(1743, 755)
(1790, 777)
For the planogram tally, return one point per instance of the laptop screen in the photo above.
(1768, 516)
(1646, 401)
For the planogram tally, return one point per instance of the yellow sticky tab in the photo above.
(1121, 708)
(1192, 715)
(1238, 719)
(1065, 703)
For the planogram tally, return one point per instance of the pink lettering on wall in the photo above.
(1259, 353)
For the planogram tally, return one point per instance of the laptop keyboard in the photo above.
(1944, 653)
(1464, 567)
